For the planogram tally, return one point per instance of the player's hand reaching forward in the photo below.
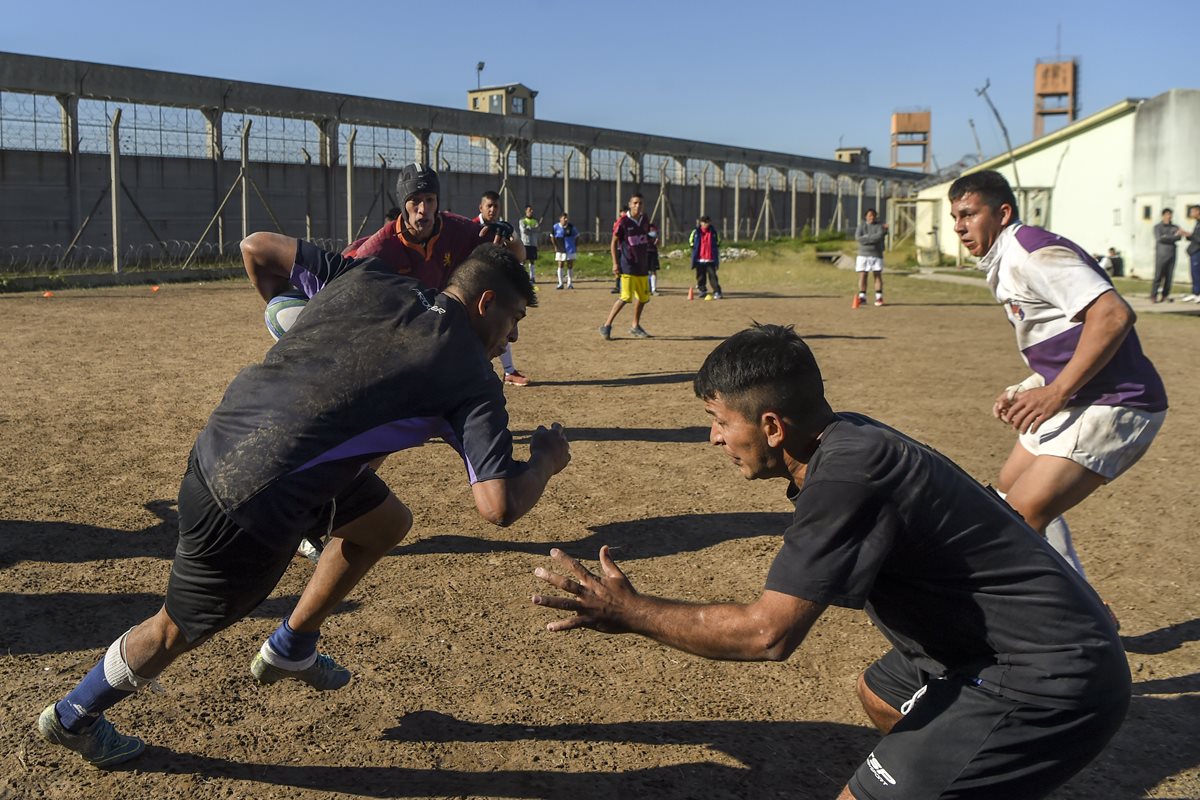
(601, 602)
(551, 444)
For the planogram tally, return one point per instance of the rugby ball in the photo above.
(282, 311)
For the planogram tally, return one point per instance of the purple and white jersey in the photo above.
(1044, 281)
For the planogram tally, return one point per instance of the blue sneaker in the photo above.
(324, 674)
(99, 744)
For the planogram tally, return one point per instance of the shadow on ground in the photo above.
(632, 539)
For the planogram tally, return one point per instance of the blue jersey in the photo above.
(565, 239)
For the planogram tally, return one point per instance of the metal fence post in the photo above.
(737, 204)
(114, 164)
(567, 182)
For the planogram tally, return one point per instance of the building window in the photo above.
(475, 103)
(1147, 213)
(496, 103)
(518, 105)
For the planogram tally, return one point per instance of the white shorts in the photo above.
(561, 256)
(868, 264)
(1106, 439)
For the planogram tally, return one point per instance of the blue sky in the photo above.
(798, 77)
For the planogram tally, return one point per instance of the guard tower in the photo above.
(853, 155)
(1055, 92)
(912, 129)
(511, 99)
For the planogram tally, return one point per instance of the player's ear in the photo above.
(486, 300)
(1007, 214)
(773, 428)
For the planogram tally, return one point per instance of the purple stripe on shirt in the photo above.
(390, 437)
(453, 441)
(1128, 379)
(1032, 239)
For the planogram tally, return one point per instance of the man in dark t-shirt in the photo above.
(1006, 675)
(376, 363)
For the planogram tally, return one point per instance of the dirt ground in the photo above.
(458, 690)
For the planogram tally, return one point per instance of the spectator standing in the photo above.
(706, 258)
(870, 235)
(1166, 234)
(529, 238)
(566, 237)
(1193, 251)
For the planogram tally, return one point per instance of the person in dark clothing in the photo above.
(1193, 251)
(1006, 675)
(1166, 234)
(375, 364)
(706, 258)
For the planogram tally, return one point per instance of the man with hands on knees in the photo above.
(1006, 675)
(375, 364)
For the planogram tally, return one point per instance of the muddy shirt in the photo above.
(947, 571)
(375, 364)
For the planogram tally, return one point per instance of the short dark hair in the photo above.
(1189, 208)
(870, 211)
(491, 266)
(638, 195)
(1166, 211)
(991, 186)
(706, 218)
(490, 195)
(765, 367)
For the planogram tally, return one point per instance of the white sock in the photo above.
(276, 660)
(653, 282)
(560, 276)
(1059, 536)
(570, 276)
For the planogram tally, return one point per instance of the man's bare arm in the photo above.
(502, 501)
(1106, 323)
(268, 258)
(768, 629)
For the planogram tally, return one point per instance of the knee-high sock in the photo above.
(654, 281)
(105, 685)
(1059, 536)
(560, 281)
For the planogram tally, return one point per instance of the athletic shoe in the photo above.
(606, 331)
(1188, 298)
(323, 674)
(99, 744)
(856, 302)
(717, 296)
(515, 378)
(708, 297)
(559, 286)
(639, 332)
(570, 286)
(879, 302)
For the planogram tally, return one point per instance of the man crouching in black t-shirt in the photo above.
(375, 364)
(1006, 675)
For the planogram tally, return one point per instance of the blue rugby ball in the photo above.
(282, 311)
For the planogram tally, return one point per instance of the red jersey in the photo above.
(430, 262)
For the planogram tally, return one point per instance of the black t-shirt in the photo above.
(950, 574)
(375, 364)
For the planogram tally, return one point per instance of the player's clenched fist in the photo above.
(551, 444)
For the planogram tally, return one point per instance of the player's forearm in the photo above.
(724, 631)
(523, 492)
(268, 258)
(1104, 329)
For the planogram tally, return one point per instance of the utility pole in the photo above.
(1004, 130)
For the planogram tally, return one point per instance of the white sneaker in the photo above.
(1188, 298)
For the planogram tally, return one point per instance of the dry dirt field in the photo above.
(458, 689)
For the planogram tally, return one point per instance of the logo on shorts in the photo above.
(1016, 310)
(881, 774)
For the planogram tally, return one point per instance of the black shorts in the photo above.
(652, 261)
(531, 252)
(963, 740)
(222, 572)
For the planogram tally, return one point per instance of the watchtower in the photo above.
(1055, 92)
(912, 129)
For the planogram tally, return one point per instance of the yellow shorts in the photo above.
(635, 286)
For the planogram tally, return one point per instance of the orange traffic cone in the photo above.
(691, 293)
(47, 294)
(154, 289)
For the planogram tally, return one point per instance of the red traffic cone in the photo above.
(47, 294)
(691, 293)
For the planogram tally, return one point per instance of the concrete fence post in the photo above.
(244, 175)
(350, 184)
(114, 172)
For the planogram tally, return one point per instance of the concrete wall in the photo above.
(180, 195)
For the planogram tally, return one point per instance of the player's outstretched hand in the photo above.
(599, 602)
(1030, 408)
(551, 443)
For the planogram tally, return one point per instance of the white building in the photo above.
(1101, 181)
